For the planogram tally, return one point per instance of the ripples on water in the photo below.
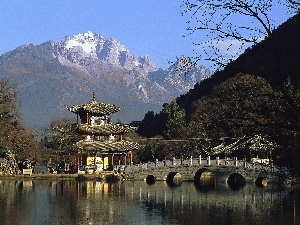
(70, 202)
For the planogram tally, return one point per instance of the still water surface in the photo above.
(40, 202)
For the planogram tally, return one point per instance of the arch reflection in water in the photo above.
(236, 181)
(261, 182)
(204, 179)
(174, 179)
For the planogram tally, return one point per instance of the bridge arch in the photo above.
(150, 179)
(174, 179)
(204, 179)
(236, 180)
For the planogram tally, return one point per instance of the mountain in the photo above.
(51, 76)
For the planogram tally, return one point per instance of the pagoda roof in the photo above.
(95, 107)
(106, 129)
(120, 146)
(255, 143)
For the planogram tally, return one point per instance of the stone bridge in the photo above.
(208, 172)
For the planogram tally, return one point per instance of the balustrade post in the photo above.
(226, 161)
(218, 160)
(235, 162)
(174, 161)
(245, 163)
(200, 159)
(191, 162)
(208, 160)
(272, 168)
(156, 162)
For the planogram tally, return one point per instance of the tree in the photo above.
(144, 128)
(9, 114)
(242, 105)
(289, 154)
(293, 5)
(61, 137)
(292, 93)
(14, 136)
(174, 117)
(152, 125)
(231, 25)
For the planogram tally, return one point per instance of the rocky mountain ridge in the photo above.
(53, 75)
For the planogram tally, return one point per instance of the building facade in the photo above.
(102, 146)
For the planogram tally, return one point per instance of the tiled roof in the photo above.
(106, 129)
(255, 143)
(95, 107)
(119, 146)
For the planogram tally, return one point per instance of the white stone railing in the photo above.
(207, 161)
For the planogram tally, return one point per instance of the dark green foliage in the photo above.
(152, 125)
(167, 123)
(175, 119)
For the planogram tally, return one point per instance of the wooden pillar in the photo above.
(130, 159)
(103, 161)
(80, 158)
(112, 159)
(125, 158)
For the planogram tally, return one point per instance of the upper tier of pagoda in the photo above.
(105, 129)
(95, 108)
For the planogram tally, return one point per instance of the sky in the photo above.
(145, 27)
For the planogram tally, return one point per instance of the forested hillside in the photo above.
(256, 94)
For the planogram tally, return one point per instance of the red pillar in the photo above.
(80, 158)
(130, 160)
(112, 160)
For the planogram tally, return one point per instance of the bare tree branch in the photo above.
(247, 21)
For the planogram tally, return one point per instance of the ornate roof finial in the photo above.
(94, 98)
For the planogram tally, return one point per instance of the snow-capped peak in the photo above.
(86, 41)
(80, 47)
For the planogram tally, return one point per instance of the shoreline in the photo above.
(108, 176)
(51, 176)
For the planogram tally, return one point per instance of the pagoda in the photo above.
(102, 146)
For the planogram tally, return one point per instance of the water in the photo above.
(69, 202)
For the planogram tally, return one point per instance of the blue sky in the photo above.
(155, 28)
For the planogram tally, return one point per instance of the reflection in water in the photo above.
(70, 202)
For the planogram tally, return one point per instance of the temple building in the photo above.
(102, 146)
